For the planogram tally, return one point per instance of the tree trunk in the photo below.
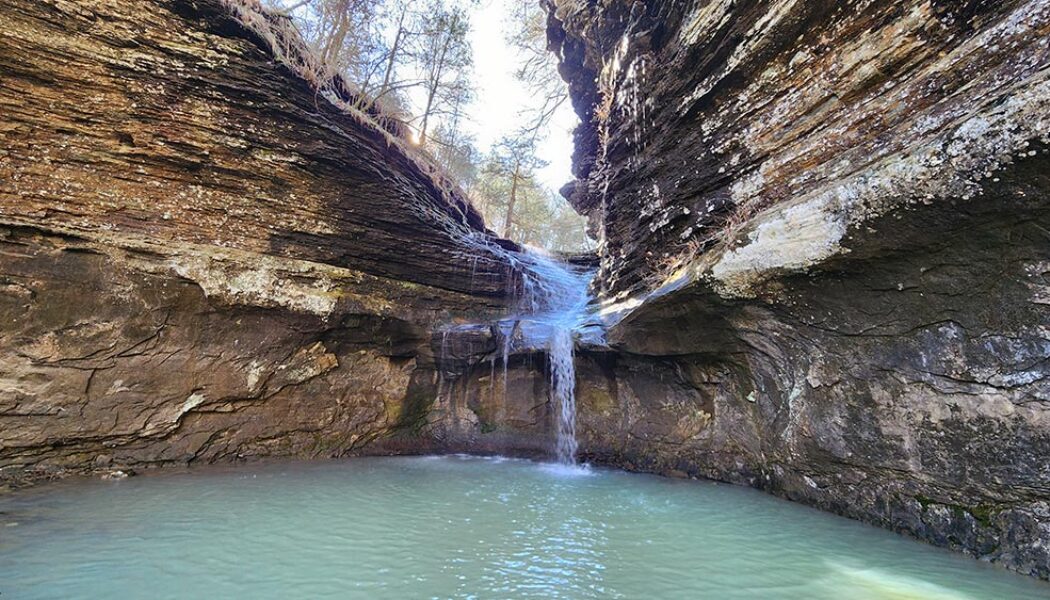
(513, 199)
(435, 82)
(453, 130)
(393, 54)
(330, 56)
(431, 92)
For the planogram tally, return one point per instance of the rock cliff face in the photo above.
(698, 116)
(824, 264)
(203, 259)
(824, 254)
(171, 120)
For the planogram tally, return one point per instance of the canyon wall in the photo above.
(203, 258)
(823, 261)
(824, 254)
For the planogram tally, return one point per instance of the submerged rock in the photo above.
(116, 475)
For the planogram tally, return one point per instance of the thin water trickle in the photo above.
(507, 335)
(563, 388)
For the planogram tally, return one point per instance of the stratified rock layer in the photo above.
(701, 115)
(824, 254)
(821, 274)
(203, 259)
(167, 119)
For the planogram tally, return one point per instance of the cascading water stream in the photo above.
(554, 310)
(555, 307)
(563, 391)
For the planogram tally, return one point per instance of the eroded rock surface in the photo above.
(169, 120)
(824, 253)
(697, 116)
(200, 257)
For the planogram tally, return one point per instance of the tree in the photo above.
(345, 35)
(398, 51)
(443, 56)
(517, 156)
(538, 66)
(456, 153)
(539, 217)
(352, 39)
(514, 159)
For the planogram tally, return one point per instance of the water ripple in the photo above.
(457, 527)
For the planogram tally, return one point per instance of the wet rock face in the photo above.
(907, 388)
(200, 258)
(843, 206)
(698, 116)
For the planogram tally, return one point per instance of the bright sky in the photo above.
(501, 98)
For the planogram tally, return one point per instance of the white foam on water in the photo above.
(559, 469)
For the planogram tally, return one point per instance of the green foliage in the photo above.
(539, 217)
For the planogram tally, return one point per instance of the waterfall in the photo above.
(563, 391)
(555, 307)
(553, 310)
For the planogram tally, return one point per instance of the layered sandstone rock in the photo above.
(824, 254)
(201, 258)
(802, 120)
(171, 120)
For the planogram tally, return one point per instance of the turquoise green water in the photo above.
(457, 527)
